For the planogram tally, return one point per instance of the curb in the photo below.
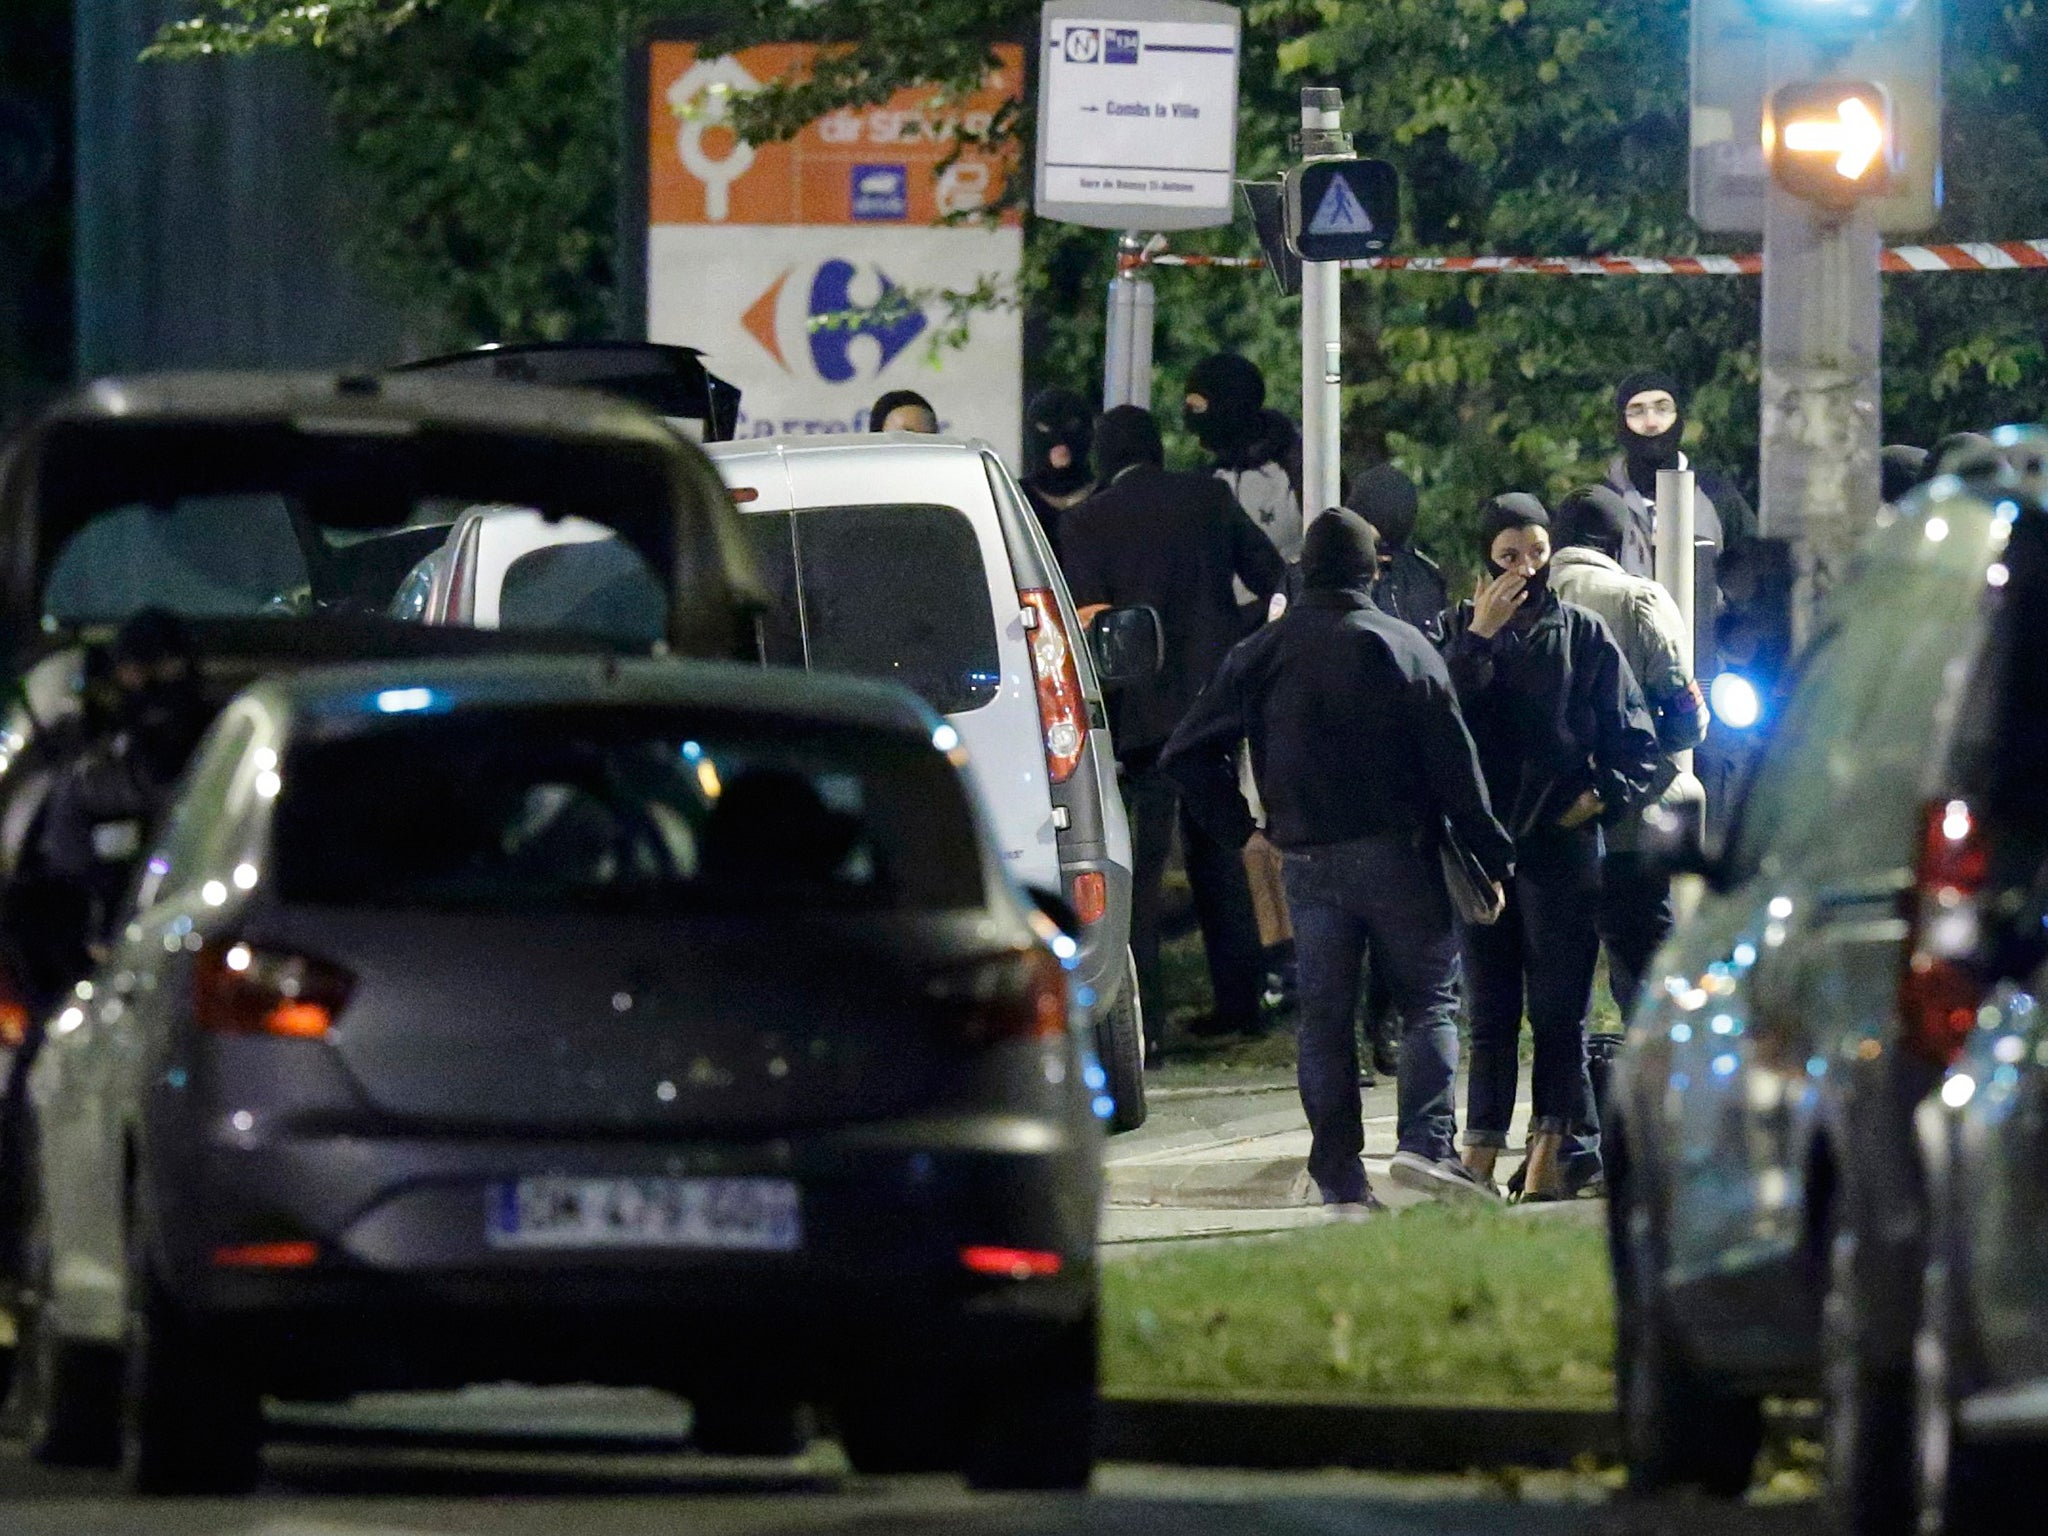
(1234, 1184)
(1420, 1437)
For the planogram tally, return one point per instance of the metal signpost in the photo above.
(1137, 130)
(1322, 349)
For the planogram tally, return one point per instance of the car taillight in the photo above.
(1940, 989)
(240, 989)
(1091, 896)
(1018, 995)
(13, 1010)
(1062, 711)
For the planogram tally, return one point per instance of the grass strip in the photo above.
(1437, 1304)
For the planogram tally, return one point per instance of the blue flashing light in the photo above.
(1068, 951)
(1681, 1034)
(1816, 1066)
(693, 751)
(1735, 701)
(1105, 1106)
(945, 738)
(1724, 1064)
(1095, 1077)
(1087, 997)
(1745, 954)
(404, 701)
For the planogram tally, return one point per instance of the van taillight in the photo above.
(13, 1010)
(1940, 989)
(1062, 711)
(1020, 994)
(240, 989)
(1091, 895)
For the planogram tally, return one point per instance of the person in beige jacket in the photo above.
(1635, 901)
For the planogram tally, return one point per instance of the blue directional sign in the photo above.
(1342, 210)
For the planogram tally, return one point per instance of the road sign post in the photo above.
(1322, 346)
(1127, 352)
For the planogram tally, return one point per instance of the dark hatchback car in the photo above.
(570, 1020)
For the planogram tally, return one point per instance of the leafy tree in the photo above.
(489, 128)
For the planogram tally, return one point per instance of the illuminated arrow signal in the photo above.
(1856, 136)
(1830, 141)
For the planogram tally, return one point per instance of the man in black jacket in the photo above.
(1566, 742)
(1172, 542)
(1411, 587)
(1057, 427)
(1361, 754)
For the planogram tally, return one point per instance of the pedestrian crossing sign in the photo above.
(1342, 210)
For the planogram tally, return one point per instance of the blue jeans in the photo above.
(1545, 945)
(1387, 893)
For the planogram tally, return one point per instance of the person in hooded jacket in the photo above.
(1411, 587)
(1355, 732)
(1566, 743)
(1649, 413)
(1058, 425)
(1174, 542)
(1635, 900)
(1253, 450)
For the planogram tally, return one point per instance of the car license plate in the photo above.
(757, 1215)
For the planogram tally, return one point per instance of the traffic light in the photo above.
(1831, 141)
(1754, 632)
(1342, 210)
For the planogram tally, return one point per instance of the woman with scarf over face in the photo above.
(1058, 426)
(1565, 743)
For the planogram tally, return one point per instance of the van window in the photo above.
(891, 592)
(205, 557)
(625, 809)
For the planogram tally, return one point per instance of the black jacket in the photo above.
(1411, 588)
(1170, 541)
(1354, 731)
(1555, 712)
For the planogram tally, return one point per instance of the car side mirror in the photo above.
(1674, 842)
(1129, 645)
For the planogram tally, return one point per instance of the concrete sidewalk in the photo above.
(1232, 1159)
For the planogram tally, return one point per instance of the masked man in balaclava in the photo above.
(1357, 741)
(1411, 587)
(105, 806)
(1254, 451)
(1058, 425)
(1566, 744)
(1650, 420)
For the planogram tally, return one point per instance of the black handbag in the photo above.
(1473, 896)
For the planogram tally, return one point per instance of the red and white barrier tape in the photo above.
(2003, 256)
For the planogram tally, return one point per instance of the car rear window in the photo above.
(897, 592)
(507, 810)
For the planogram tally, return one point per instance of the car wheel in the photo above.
(1120, 1044)
(1678, 1430)
(65, 1395)
(1866, 1406)
(1036, 1426)
(739, 1422)
(191, 1417)
(889, 1426)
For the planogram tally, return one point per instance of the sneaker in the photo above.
(1354, 1210)
(1441, 1178)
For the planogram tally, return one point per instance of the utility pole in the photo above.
(1322, 352)
(1127, 357)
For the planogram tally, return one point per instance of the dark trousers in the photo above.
(1223, 904)
(1635, 918)
(1385, 892)
(1543, 950)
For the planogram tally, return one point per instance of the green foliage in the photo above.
(488, 133)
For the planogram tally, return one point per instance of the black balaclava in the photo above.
(1594, 516)
(1515, 509)
(1057, 417)
(1900, 467)
(1126, 437)
(164, 717)
(1385, 497)
(1647, 455)
(1339, 553)
(1236, 392)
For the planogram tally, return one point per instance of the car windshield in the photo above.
(529, 809)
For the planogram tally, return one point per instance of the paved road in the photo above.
(315, 1491)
